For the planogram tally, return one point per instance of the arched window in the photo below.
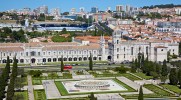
(75, 59)
(94, 58)
(85, 58)
(49, 59)
(21, 60)
(64, 59)
(80, 59)
(44, 59)
(54, 59)
(59, 59)
(70, 59)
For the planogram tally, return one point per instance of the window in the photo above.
(124, 55)
(38, 53)
(26, 53)
(9, 54)
(117, 56)
(173, 50)
(161, 49)
(117, 41)
(49, 53)
(117, 49)
(33, 53)
(43, 53)
(4, 54)
(124, 49)
(132, 50)
(74, 52)
(54, 53)
(94, 52)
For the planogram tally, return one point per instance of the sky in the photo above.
(66, 5)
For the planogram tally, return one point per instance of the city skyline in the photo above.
(67, 5)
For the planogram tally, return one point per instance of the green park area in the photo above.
(157, 90)
(64, 92)
(20, 95)
(143, 76)
(173, 88)
(39, 95)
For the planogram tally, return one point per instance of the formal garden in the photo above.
(154, 79)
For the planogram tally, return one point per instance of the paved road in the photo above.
(30, 88)
(51, 89)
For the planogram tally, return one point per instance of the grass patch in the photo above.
(157, 90)
(124, 85)
(131, 77)
(135, 96)
(173, 88)
(39, 95)
(142, 75)
(61, 88)
(64, 92)
(20, 95)
(53, 75)
(37, 82)
(67, 76)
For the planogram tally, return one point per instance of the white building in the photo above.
(155, 50)
(116, 50)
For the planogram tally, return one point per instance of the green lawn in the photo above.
(108, 74)
(131, 77)
(173, 88)
(61, 88)
(157, 90)
(142, 75)
(124, 85)
(39, 95)
(20, 95)
(63, 91)
(37, 82)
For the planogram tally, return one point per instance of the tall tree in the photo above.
(90, 62)
(164, 68)
(158, 69)
(140, 97)
(8, 64)
(136, 63)
(164, 72)
(179, 77)
(142, 61)
(133, 67)
(173, 76)
(92, 96)
(62, 65)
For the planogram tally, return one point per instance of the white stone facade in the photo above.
(156, 50)
(116, 51)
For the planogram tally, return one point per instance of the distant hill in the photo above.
(161, 6)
